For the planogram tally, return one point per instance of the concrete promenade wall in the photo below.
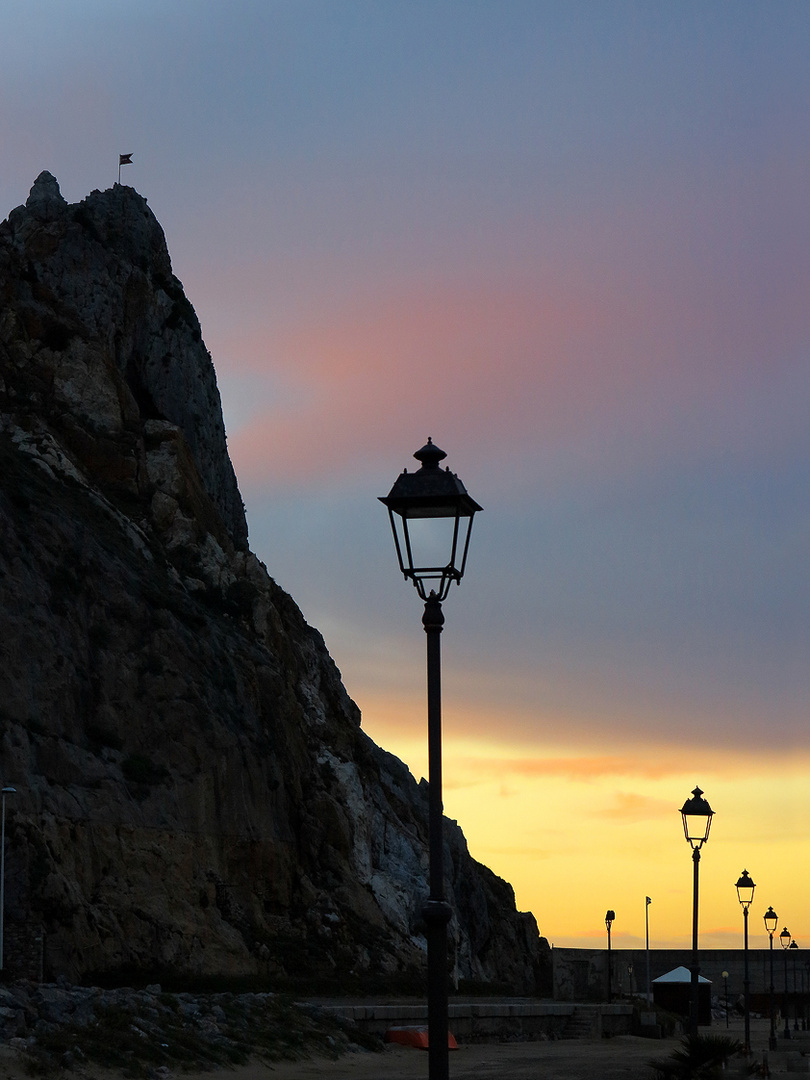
(581, 974)
(493, 1021)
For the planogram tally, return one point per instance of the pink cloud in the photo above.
(675, 319)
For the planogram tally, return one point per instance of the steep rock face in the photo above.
(194, 791)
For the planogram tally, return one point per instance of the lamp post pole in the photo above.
(647, 942)
(436, 910)
(745, 894)
(5, 791)
(794, 947)
(771, 920)
(420, 499)
(784, 941)
(697, 821)
(609, 917)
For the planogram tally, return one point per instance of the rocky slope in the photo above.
(194, 790)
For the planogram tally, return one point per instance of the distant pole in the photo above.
(771, 918)
(647, 927)
(609, 917)
(745, 894)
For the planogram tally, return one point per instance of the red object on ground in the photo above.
(415, 1036)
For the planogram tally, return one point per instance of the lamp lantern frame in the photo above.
(745, 890)
(697, 819)
(771, 920)
(430, 493)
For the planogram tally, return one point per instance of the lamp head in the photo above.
(697, 819)
(745, 890)
(784, 938)
(431, 518)
(771, 920)
(610, 915)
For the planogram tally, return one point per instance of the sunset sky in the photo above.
(569, 240)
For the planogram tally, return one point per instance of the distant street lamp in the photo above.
(697, 821)
(794, 945)
(609, 917)
(424, 507)
(724, 975)
(5, 791)
(745, 894)
(784, 941)
(771, 922)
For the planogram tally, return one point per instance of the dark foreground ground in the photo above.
(624, 1057)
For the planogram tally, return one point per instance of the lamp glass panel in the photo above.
(696, 827)
(431, 541)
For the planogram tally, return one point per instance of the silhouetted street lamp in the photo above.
(724, 976)
(5, 791)
(771, 921)
(784, 941)
(427, 507)
(609, 917)
(745, 894)
(795, 945)
(697, 821)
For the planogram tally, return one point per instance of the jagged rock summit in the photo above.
(195, 795)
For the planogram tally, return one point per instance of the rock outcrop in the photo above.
(194, 790)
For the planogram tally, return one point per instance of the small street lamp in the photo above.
(424, 507)
(745, 894)
(771, 922)
(609, 917)
(725, 981)
(5, 791)
(784, 941)
(697, 821)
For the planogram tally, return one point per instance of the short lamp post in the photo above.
(725, 986)
(5, 791)
(771, 921)
(697, 821)
(745, 894)
(784, 941)
(428, 508)
(609, 917)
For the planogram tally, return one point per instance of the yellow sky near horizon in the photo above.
(577, 830)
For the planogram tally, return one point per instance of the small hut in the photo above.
(673, 992)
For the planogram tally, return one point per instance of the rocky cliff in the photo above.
(194, 790)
